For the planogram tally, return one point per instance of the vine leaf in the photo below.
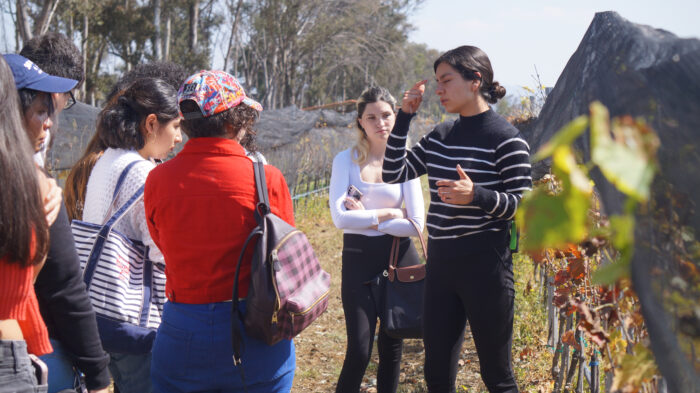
(565, 137)
(569, 337)
(590, 324)
(556, 220)
(634, 369)
(625, 156)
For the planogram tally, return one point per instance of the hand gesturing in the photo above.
(413, 97)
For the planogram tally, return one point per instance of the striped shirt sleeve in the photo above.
(513, 165)
(401, 164)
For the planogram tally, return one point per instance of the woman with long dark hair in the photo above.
(24, 240)
(478, 167)
(371, 213)
(140, 125)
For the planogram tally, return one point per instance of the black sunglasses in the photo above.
(70, 102)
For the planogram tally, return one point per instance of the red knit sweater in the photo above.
(18, 301)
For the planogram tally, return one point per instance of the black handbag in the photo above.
(398, 294)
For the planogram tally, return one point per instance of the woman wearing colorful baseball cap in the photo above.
(199, 207)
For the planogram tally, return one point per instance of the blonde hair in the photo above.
(369, 96)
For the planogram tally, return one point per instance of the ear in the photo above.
(150, 124)
(476, 84)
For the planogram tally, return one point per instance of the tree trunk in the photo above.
(45, 16)
(157, 39)
(194, 23)
(25, 32)
(84, 47)
(236, 18)
(166, 55)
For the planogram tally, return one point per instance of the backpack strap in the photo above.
(263, 206)
(262, 209)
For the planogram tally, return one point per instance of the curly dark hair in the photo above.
(240, 117)
(468, 60)
(171, 73)
(56, 55)
(119, 123)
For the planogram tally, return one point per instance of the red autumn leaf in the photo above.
(569, 337)
(537, 257)
(572, 251)
(561, 296)
(561, 277)
(577, 268)
(590, 324)
(525, 353)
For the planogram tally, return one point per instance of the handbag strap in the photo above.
(420, 236)
(395, 246)
(104, 232)
(117, 189)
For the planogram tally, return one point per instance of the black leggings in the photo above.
(478, 287)
(363, 258)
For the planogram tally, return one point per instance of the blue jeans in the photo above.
(131, 373)
(16, 370)
(193, 353)
(62, 374)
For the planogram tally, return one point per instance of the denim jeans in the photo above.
(62, 374)
(16, 370)
(193, 353)
(131, 373)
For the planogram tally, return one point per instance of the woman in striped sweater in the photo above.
(477, 166)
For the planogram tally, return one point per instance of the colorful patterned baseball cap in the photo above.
(214, 92)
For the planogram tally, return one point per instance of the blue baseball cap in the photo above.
(29, 75)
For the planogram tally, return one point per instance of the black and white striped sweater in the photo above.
(491, 151)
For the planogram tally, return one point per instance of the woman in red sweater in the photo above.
(199, 208)
(24, 243)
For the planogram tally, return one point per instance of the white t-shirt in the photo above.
(374, 196)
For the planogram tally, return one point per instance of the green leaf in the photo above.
(553, 220)
(610, 274)
(564, 165)
(624, 161)
(564, 137)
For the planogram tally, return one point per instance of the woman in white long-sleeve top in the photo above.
(138, 126)
(371, 213)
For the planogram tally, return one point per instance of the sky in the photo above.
(521, 35)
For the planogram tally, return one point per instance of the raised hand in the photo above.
(456, 192)
(412, 98)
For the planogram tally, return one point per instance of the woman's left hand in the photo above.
(353, 204)
(456, 192)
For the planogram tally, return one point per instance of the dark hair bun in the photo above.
(496, 92)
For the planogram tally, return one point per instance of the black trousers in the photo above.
(475, 286)
(363, 258)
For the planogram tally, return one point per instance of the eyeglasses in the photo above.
(70, 102)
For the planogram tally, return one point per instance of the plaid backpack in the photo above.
(288, 289)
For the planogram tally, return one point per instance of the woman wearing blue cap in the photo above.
(24, 241)
(35, 88)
